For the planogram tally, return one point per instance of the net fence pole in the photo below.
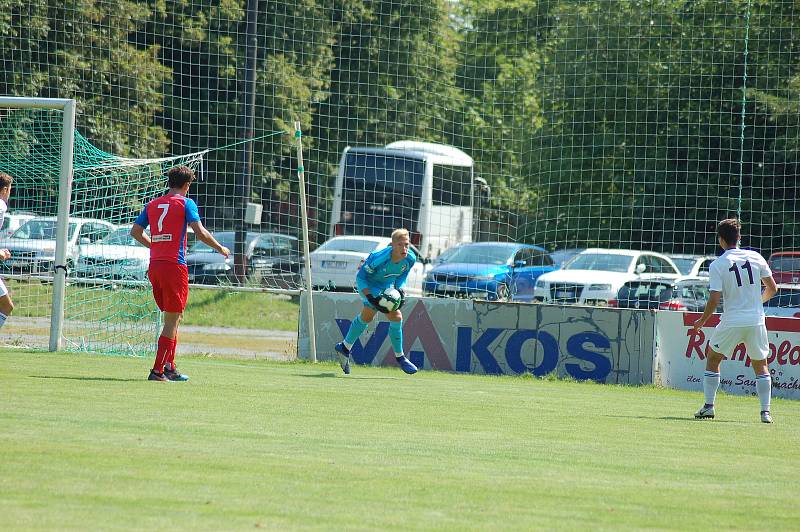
(312, 345)
(64, 196)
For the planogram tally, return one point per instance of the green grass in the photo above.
(220, 308)
(246, 310)
(85, 442)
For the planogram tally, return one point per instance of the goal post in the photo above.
(67, 107)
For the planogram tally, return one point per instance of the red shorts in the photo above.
(170, 285)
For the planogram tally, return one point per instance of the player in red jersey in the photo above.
(168, 217)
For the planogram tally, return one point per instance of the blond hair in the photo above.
(399, 233)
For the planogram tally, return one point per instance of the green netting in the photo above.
(108, 308)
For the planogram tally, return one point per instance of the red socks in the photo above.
(165, 349)
(171, 356)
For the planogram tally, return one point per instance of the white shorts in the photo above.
(725, 339)
(3, 289)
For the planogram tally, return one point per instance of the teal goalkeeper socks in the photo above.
(357, 327)
(396, 336)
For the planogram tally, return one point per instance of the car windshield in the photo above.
(605, 262)
(42, 230)
(226, 238)
(561, 256)
(785, 263)
(350, 244)
(482, 254)
(445, 255)
(120, 237)
(785, 298)
(684, 264)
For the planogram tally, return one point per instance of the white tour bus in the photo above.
(426, 188)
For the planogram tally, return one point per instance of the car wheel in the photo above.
(502, 293)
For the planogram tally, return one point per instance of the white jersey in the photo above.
(737, 273)
(3, 210)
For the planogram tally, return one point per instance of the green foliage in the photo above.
(80, 49)
(596, 122)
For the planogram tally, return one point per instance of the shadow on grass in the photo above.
(340, 376)
(109, 379)
(676, 418)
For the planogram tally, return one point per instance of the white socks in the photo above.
(764, 389)
(710, 385)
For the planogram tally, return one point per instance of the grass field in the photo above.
(86, 443)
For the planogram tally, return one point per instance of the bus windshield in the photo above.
(380, 192)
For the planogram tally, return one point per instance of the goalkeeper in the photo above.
(381, 270)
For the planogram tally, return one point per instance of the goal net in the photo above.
(107, 305)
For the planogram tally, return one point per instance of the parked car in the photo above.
(13, 221)
(335, 263)
(496, 271)
(561, 256)
(785, 303)
(785, 266)
(263, 251)
(33, 245)
(116, 257)
(693, 265)
(594, 276)
(445, 255)
(686, 294)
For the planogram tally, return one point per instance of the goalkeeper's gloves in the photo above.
(375, 302)
(402, 298)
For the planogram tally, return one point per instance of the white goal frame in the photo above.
(67, 106)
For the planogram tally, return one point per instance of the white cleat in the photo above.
(766, 417)
(705, 412)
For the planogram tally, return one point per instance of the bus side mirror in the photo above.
(520, 263)
(482, 189)
(640, 268)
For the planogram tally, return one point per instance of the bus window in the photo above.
(380, 193)
(366, 170)
(452, 185)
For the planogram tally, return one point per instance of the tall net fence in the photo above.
(564, 124)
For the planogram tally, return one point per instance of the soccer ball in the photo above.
(390, 299)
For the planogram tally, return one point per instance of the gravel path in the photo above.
(215, 341)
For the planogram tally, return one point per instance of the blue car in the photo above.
(497, 271)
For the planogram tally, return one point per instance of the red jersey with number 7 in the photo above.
(168, 218)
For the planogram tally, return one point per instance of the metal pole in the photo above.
(64, 196)
(312, 344)
(247, 121)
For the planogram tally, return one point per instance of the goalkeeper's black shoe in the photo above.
(174, 375)
(344, 357)
(155, 376)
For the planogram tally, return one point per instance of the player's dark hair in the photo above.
(5, 180)
(729, 230)
(180, 175)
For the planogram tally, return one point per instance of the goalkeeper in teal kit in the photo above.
(381, 270)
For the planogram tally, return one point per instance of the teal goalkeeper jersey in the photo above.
(379, 272)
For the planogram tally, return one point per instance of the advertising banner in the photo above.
(605, 345)
(681, 361)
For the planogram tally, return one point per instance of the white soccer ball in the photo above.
(390, 299)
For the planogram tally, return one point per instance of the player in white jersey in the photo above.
(737, 276)
(6, 305)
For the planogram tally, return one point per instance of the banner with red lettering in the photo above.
(680, 356)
